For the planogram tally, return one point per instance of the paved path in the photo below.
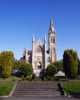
(57, 98)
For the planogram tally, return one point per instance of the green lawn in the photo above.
(5, 88)
(71, 88)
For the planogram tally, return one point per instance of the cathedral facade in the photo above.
(40, 57)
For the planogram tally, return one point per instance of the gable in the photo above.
(39, 43)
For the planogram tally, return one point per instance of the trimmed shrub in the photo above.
(28, 77)
(26, 70)
(13, 80)
(43, 75)
(34, 76)
(48, 78)
(23, 78)
(38, 79)
(19, 79)
(44, 79)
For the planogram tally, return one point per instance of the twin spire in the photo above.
(39, 39)
(33, 39)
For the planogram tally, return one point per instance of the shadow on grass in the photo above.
(60, 89)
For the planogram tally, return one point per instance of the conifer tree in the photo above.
(70, 63)
(6, 63)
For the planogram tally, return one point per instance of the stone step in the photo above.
(33, 83)
(22, 92)
(30, 95)
(36, 93)
(17, 94)
(39, 91)
(36, 89)
(32, 87)
(51, 85)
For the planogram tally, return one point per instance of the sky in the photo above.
(20, 19)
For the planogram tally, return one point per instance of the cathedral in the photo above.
(40, 57)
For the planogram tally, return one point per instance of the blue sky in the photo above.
(20, 19)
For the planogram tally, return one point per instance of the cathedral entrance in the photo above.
(39, 65)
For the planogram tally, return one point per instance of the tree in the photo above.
(26, 69)
(70, 63)
(79, 67)
(59, 65)
(6, 63)
(17, 63)
(51, 70)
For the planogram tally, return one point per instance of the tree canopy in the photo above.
(59, 65)
(51, 70)
(17, 63)
(26, 69)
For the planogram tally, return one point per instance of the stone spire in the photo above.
(51, 29)
(45, 38)
(52, 42)
(33, 38)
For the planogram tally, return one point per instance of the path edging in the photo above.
(63, 90)
(11, 92)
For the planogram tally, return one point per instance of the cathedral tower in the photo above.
(52, 42)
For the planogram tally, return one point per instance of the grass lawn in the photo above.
(71, 88)
(5, 88)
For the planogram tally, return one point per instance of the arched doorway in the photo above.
(39, 65)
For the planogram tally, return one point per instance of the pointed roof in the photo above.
(33, 38)
(51, 22)
(45, 38)
(60, 73)
(39, 43)
(51, 26)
